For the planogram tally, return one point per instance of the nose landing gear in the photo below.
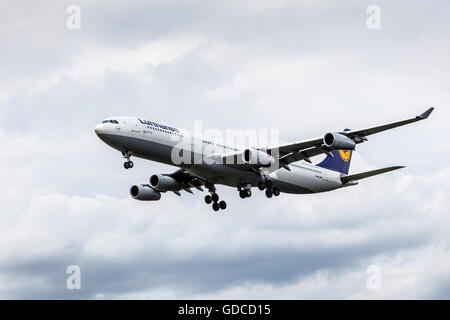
(127, 164)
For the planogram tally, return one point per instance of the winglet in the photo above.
(426, 113)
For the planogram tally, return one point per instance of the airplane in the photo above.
(207, 162)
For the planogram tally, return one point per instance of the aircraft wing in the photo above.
(187, 181)
(371, 130)
(367, 174)
(303, 150)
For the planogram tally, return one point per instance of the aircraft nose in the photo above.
(99, 129)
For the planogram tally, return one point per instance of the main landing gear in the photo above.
(216, 204)
(270, 189)
(127, 164)
(244, 191)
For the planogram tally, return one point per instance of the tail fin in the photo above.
(340, 161)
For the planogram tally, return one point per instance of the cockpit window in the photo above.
(110, 121)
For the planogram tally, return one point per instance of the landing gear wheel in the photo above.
(126, 165)
(261, 185)
(269, 193)
(130, 164)
(242, 194)
(276, 191)
(216, 206)
(248, 193)
(222, 205)
(208, 199)
(215, 197)
(268, 184)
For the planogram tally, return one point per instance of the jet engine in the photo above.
(257, 157)
(164, 183)
(335, 140)
(144, 193)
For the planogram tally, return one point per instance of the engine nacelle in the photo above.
(257, 157)
(144, 193)
(335, 140)
(164, 183)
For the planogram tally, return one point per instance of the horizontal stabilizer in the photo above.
(367, 174)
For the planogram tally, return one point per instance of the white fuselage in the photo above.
(156, 142)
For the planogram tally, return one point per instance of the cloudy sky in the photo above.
(303, 67)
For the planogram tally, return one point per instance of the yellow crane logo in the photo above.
(345, 154)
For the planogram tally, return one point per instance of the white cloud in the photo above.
(95, 61)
